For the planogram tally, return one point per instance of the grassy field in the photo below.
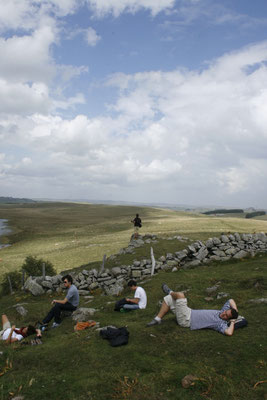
(83, 366)
(70, 234)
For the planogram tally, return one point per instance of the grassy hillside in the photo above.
(70, 234)
(82, 366)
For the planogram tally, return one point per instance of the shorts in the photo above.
(180, 309)
(6, 325)
(136, 228)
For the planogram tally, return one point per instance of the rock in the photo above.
(224, 239)
(84, 292)
(188, 381)
(175, 269)
(22, 311)
(208, 298)
(136, 274)
(47, 284)
(93, 286)
(259, 301)
(212, 289)
(114, 290)
(32, 286)
(83, 314)
(116, 271)
(222, 295)
(240, 254)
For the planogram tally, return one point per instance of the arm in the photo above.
(135, 300)
(60, 301)
(233, 304)
(9, 339)
(230, 331)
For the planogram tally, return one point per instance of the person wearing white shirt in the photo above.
(140, 299)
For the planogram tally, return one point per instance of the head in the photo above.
(132, 284)
(29, 330)
(231, 313)
(137, 215)
(67, 280)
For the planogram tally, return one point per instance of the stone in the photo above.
(114, 290)
(203, 252)
(22, 311)
(83, 292)
(116, 271)
(136, 273)
(212, 289)
(56, 279)
(259, 301)
(175, 269)
(93, 286)
(221, 295)
(83, 314)
(224, 239)
(240, 254)
(208, 298)
(32, 286)
(47, 284)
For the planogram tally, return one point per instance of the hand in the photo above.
(53, 302)
(13, 327)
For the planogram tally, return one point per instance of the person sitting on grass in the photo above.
(197, 319)
(69, 303)
(11, 334)
(139, 301)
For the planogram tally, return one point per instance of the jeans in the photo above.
(131, 307)
(56, 311)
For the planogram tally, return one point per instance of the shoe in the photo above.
(154, 322)
(165, 288)
(54, 325)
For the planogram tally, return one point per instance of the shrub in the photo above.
(255, 214)
(16, 281)
(34, 266)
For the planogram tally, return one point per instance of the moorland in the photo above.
(71, 365)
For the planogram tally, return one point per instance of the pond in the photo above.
(4, 230)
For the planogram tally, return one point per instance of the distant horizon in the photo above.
(152, 204)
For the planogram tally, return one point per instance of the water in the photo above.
(4, 230)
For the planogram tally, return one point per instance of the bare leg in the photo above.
(4, 319)
(177, 295)
(164, 309)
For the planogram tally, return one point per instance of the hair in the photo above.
(31, 330)
(137, 215)
(68, 277)
(234, 313)
(131, 283)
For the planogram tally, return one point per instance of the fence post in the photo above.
(153, 262)
(10, 284)
(103, 264)
(43, 269)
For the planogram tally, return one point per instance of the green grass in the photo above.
(83, 366)
(70, 234)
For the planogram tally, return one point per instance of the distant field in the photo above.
(70, 234)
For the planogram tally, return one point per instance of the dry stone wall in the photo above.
(112, 281)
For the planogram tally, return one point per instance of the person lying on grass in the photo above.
(11, 334)
(197, 319)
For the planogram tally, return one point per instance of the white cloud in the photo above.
(92, 37)
(116, 7)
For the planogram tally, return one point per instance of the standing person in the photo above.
(70, 303)
(11, 334)
(137, 224)
(139, 301)
(197, 319)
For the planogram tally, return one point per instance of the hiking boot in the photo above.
(154, 322)
(55, 325)
(165, 288)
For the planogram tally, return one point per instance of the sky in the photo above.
(150, 101)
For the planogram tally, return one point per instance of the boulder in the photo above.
(241, 254)
(83, 314)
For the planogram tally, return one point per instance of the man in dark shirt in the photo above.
(137, 225)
